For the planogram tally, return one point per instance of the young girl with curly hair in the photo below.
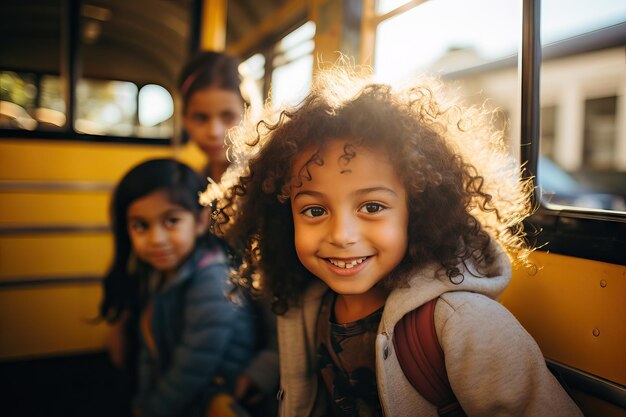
(361, 205)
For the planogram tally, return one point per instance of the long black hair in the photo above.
(122, 288)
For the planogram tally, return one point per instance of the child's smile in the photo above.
(348, 267)
(347, 263)
(351, 218)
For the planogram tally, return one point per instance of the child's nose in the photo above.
(215, 128)
(344, 230)
(157, 234)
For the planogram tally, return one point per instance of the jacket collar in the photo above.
(200, 258)
(431, 282)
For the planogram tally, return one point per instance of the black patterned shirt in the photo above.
(346, 361)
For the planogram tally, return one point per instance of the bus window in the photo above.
(293, 66)
(120, 108)
(583, 127)
(384, 6)
(156, 108)
(78, 67)
(106, 107)
(150, 52)
(30, 46)
(548, 122)
(18, 92)
(252, 72)
(474, 50)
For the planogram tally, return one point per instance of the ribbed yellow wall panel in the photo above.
(50, 320)
(191, 155)
(54, 255)
(71, 161)
(54, 208)
(80, 161)
(576, 310)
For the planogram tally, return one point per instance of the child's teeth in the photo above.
(343, 264)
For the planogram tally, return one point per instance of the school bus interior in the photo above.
(88, 89)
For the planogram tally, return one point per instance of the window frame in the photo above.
(583, 233)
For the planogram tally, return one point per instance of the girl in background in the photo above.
(212, 103)
(211, 89)
(363, 204)
(169, 283)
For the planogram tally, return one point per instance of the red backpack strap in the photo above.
(422, 361)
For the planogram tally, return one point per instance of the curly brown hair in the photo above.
(463, 188)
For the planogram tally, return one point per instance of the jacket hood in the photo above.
(431, 281)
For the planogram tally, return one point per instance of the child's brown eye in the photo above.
(314, 212)
(139, 226)
(171, 221)
(230, 117)
(200, 117)
(371, 208)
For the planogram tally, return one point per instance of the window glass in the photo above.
(30, 45)
(548, 126)
(17, 100)
(600, 137)
(583, 77)
(51, 111)
(469, 38)
(106, 107)
(293, 66)
(156, 108)
(253, 67)
(252, 72)
(291, 82)
(384, 6)
(474, 50)
(30, 102)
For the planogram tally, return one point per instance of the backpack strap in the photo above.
(422, 361)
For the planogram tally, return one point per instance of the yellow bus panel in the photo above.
(34, 209)
(55, 255)
(575, 309)
(50, 320)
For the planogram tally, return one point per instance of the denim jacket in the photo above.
(201, 340)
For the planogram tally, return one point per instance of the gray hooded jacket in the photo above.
(494, 366)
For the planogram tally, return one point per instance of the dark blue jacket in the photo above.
(203, 340)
